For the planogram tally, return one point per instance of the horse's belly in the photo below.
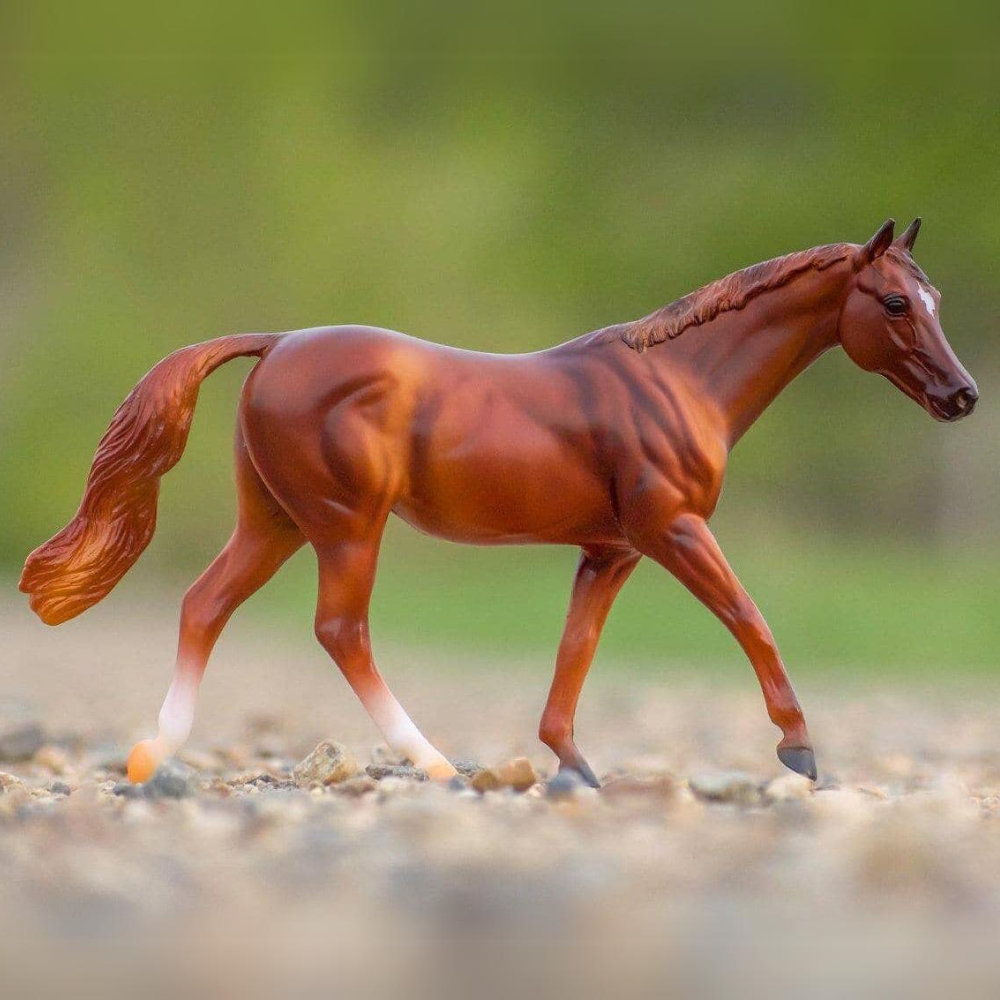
(515, 528)
(496, 500)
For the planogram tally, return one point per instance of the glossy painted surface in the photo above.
(615, 442)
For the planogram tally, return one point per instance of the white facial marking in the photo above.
(926, 298)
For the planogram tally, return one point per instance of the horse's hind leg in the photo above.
(346, 577)
(335, 471)
(263, 539)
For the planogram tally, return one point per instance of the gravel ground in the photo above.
(248, 867)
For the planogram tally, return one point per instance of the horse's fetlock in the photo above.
(554, 734)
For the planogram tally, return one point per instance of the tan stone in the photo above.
(486, 780)
(517, 774)
(328, 764)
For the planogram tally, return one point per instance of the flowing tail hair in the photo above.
(117, 516)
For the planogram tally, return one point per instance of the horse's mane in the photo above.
(732, 292)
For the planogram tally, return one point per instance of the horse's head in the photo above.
(889, 325)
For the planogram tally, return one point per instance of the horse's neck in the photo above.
(746, 357)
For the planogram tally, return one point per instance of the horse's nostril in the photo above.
(964, 401)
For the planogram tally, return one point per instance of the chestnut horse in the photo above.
(615, 442)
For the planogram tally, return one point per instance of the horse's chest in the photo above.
(682, 450)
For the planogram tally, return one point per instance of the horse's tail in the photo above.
(117, 516)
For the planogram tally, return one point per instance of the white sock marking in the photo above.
(177, 714)
(401, 734)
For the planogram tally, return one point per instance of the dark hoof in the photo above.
(799, 759)
(582, 771)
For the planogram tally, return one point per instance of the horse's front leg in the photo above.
(599, 576)
(689, 550)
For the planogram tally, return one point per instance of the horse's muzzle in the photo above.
(961, 403)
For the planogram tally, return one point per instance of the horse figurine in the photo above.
(615, 442)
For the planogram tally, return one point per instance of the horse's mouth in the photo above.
(937, 410)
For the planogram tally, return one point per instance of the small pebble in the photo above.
(405, 771)
(328, 764)
(469, 768)
(172, 780)
(726, 786)
(486, 780)
(564, 786)
(517, 774)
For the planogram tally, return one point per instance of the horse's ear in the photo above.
(879, 243)
(906, 241)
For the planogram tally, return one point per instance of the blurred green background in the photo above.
(152, 200)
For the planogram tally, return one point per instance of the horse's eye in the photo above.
(895, 305)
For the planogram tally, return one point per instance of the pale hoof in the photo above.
(440, 771)
(143, 761)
